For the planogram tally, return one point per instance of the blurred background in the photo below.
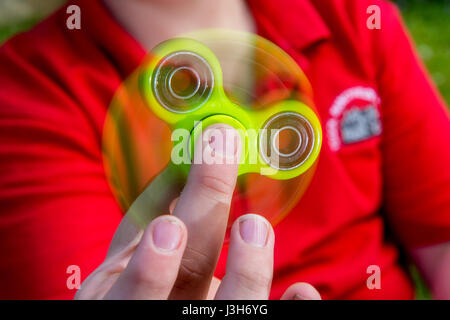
(428, 21)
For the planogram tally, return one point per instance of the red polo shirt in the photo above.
(385, 162)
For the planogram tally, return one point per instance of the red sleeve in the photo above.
(56, 208)
(416, 141)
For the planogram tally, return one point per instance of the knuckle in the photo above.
(256, 282)
(195, 267)
(142, 276)
(216, 187)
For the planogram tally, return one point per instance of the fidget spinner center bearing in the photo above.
(182, 84)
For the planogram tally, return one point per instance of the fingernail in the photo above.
(254, 230)
(167, 235)
(223, 140)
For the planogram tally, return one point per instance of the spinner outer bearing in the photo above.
(209, 104)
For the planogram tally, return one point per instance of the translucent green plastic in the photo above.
(216, 107)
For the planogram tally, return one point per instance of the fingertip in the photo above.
(166, 234)
(249, 269)
(301, 291)
(221, 140)
(153, 268)
(254, 230)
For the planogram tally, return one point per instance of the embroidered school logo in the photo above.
(354, 117)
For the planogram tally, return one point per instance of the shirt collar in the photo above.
(289, 23)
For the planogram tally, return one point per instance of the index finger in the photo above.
(204, 207)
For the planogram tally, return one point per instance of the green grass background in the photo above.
(429, 23)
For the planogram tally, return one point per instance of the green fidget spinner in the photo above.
(183, 86)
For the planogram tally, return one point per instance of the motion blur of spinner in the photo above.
(207, 77)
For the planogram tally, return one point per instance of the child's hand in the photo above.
(176, 255)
